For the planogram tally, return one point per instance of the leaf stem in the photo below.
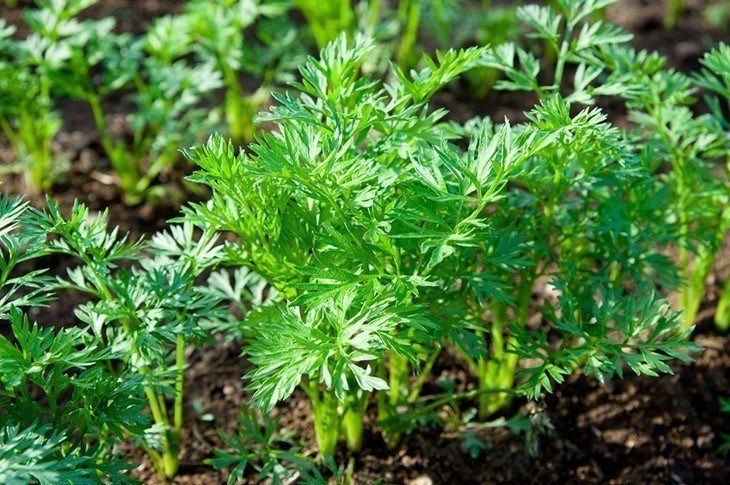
(180, 381)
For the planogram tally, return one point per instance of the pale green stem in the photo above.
(325, 408)
(168, 463)
(423, 375)
(180, 381)
(722, 314)
(352, 421)
(373, 13)
(409, 14)
(674, 9)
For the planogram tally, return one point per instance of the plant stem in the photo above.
(325, 408)
(673, 11)
(560, 66)
(236, 112)
(101, 125)
(126, 164)
(408, 12)
(180, 381)
(35, 137)
(497, 372)
(722, 314)
(423, 375)
(694, 288)
(398, 379)
(373, 13)
(352, 421)
(396, 396)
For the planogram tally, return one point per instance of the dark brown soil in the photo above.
(640, 430)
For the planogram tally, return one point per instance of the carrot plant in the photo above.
(715, 79)
(387, 242)
(70, 397)
(581, 221)
(149, 313)
(244, 37)
(93, 64)
(28, 118)
(63, 413)
(311, 208)
(691, 153)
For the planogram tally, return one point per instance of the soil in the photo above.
(642, 430)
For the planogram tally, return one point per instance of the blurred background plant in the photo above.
(28, 117)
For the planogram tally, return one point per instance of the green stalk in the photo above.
(691, 294)
(423, 375)
(398, 379)
(497, 372)
(325, 408)
(179, 382)
(673, 11)
(353, 422)
(722, 314)
(694, 288)
(409, 14)
(167, 463)
(240, 110)
(397, 395)
(562, 56)
(101, 125)
(44, 165)
(373, 13)
(126, 165)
